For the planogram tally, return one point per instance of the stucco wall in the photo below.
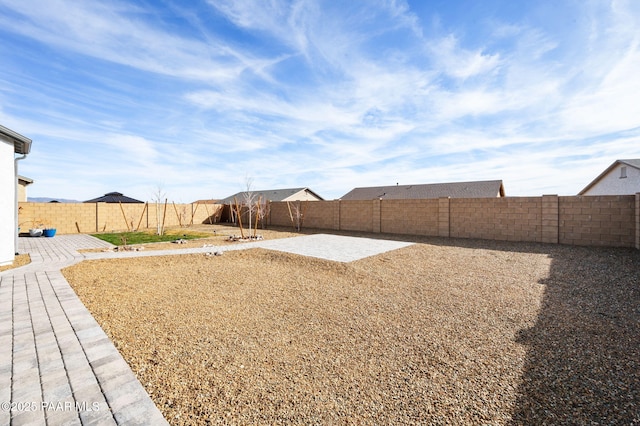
(7, 203)
(613, 184)
(22, 193)
(302, 196)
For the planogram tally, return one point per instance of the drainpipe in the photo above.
(15, 189)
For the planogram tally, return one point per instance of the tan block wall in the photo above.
(356, 216)
(550, 219)
(66, 218)
(320, 215)
(70, 218)
(444, 219)
(598, 220)
(637, 245)
(508, 219)
(591, 220)
(279, 214)
(414, 217)
(110, 217)
(587, 220)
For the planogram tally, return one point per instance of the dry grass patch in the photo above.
(218, 235)
(425, 334)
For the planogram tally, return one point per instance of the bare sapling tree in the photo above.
(238, 208)
(263, 211)
(249, 199)
(255, 226)
(181, 214)
(296, 213)
(158, 198)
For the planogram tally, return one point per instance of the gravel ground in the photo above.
(18, 261)
(440, 332)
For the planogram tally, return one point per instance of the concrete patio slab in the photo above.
(338, 248)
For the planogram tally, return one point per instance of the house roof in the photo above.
(210, 201)
(269, 194)
(24, 180)
(635, 163)
(113, 197)
(480, 189)
(21, 144)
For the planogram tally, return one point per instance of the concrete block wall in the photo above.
(581, 220)
(116, 217)
(550, 219)
(637, 243)
(415, 217)
(508, 219)
(577, 220)
(66, 218)
(320, 214)
(356, 216)
(444, 217)
(70, 218)
(598, 220)
(279, 214)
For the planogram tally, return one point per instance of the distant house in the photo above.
(210, 201)
(23, 182)
(290, 194)
(620, 178)
(114, 197)
(11, 143)
(480, 189)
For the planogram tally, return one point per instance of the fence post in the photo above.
(550, 219)
(97, 218)
(444, 214)
(376, 216)
(336, 215)
(638, 220)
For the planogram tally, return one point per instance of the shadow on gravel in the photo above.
(583, 354)
(583, 358)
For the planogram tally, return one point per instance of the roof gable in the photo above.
(114, 197)
(635, 163)
(269, 194)
(479, 189)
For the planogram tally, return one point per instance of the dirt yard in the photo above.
(441, 332)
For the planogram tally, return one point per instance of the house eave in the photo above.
(21, 144)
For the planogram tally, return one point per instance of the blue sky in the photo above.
(196, 97)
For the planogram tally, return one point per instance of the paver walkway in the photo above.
(57, 366)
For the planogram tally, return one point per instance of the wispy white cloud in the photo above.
(460, 63)
(118, 32)
(320, 94)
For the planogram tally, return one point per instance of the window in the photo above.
(623, 172)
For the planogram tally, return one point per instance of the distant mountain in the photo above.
(49, 200)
